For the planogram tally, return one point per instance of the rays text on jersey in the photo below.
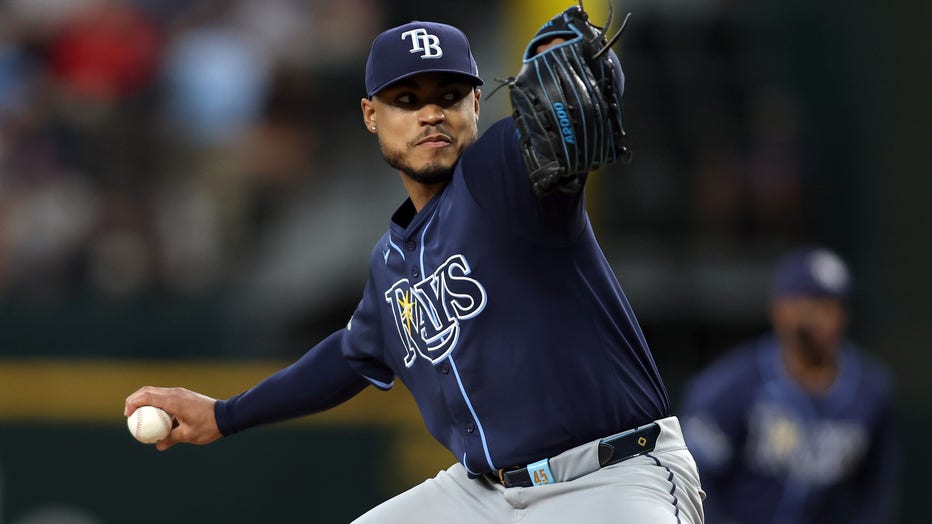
(428, 313)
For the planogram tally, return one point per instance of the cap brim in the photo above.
(475, 79)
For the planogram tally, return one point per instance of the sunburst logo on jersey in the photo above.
(816, 451)
(407, 310)
(783, 436)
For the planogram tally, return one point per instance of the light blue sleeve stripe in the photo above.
(379, 384)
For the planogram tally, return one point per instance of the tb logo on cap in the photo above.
(423, 42)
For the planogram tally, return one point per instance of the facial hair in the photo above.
(433, 173)
(812, 350)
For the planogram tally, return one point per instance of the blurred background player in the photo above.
(796, 426)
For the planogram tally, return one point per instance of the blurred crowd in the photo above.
(145, 144)
(211, 148)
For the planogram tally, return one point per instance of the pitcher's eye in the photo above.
(453, 97)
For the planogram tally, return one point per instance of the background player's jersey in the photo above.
(490, 284)
(768, 452)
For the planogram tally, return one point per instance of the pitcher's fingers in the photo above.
(132, 402)
(179, 433)
(163, 398)
(165, 443)
(183, 433)
(141, 397)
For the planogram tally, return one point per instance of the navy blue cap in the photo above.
(418, 47)
(812, 272)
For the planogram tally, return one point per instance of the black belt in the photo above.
(612, 450)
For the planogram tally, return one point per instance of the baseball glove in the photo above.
(567, 103)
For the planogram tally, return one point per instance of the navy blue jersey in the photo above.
(499, 312)
(768, 452)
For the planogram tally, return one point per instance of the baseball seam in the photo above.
(166, 420)
(139, 425)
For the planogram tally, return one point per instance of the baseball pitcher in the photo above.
(491, 300)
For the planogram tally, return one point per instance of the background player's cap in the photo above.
(418, 47)
(812, 272)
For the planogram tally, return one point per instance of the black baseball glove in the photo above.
(567, 103)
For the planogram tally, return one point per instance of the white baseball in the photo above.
(149, 424)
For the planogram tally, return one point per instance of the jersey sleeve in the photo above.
(319, 380)
(362, 345)
(713, 417)
(714, 427)
(497, 178)
(710, 435)
(877, 482)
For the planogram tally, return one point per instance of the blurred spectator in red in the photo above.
(106, 51)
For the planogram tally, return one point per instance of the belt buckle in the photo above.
(499, 474)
